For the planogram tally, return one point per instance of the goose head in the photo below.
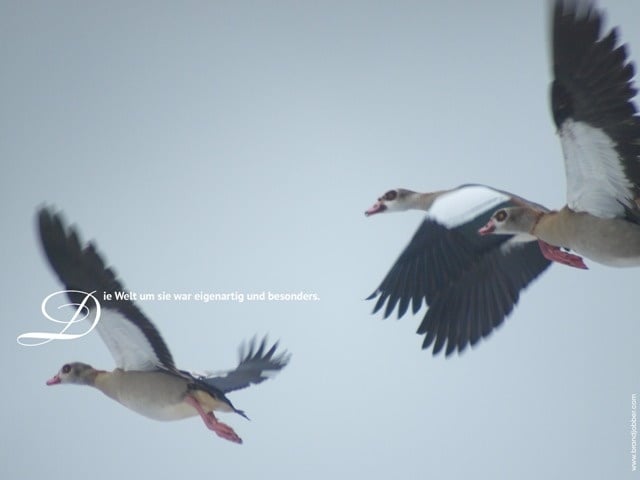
(76, 372)
(512, 220)
(396, 200)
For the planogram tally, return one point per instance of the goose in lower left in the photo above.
(146, 379)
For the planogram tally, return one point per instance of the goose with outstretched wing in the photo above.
(599, 129)
(146, 379)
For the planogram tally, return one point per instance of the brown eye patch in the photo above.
(66, 368)
(390, 195)
(501, 215)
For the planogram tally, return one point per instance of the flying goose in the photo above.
(146, 379)
(470, 283)
(599, 129)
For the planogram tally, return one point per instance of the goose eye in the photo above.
(501, 215)
(390, 195)
(66, 368)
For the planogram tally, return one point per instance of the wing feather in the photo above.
(591, 102)
(134, 342)
(257, 364)
(469, 282)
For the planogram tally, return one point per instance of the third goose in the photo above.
(599, 129)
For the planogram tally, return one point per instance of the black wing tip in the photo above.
(588, 59)
(80, 266)
(254, 350)
(45, 215)
(66, 251)
(46, 211)
(56, 232)
(240, 412)
(450, 331)
(59, 242)
(403, 301)
(573, 11)
(375, 293)
(452, 347)
(50, 217)
(50, 223)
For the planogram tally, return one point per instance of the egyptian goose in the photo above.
(591, 101)
(469, 284)
(146, 379)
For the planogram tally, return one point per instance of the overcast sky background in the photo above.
(234, 146)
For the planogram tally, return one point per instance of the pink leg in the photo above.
(554, 254)
(212, 423)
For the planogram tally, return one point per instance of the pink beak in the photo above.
(490, 227)
(376, 208)
(54, 380)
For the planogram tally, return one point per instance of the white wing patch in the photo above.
(128, 346)
(596, 182)
(462, 205)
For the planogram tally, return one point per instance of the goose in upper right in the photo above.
(599, 128)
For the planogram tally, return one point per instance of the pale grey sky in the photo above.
(234, 146)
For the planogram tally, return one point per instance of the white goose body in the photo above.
(458, 206)
(146, 379)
